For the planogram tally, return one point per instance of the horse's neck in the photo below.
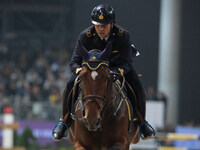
(112, 99)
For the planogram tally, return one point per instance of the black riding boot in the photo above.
(146, 131)
(60, 130)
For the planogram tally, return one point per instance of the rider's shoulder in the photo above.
(119, 31)
(88, 32)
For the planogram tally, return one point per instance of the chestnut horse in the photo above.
(101, 115)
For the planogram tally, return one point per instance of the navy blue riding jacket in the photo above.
(122, 51)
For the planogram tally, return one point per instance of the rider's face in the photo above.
(103, 30)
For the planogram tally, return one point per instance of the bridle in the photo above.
(93, 98)
(81, 99)
(82, 106)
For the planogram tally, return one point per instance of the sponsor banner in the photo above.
(42, 130)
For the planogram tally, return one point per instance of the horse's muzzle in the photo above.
(92, 125)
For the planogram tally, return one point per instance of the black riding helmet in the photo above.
(102, 14)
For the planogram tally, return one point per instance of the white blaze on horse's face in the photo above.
(94, 74)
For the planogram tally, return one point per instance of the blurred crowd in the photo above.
(32, 73)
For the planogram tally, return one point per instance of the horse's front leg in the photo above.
(122, 144)
(119, 147)
(78, 146)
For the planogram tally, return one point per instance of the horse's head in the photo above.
(94, 84)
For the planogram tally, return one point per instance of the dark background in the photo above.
(190, 63)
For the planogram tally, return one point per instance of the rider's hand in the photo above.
(78, 70)
(121, 71)
(118, 70)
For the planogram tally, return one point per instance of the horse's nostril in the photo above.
(98, 122)
(85, 120)
(83, 112)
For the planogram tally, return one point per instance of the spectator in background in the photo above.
(54, 96)
(35, 93)
(40, 65)
(22, 87)
(3, 50)
(4, 102)
(23, 63)
(151, 93)
(33, 77)
(161, 96)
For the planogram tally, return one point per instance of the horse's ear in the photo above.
(82, 50)
(107, 51)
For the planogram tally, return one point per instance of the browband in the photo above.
(94, 65)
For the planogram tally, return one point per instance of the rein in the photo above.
(115, 76)
(82, 107)
(93, 97)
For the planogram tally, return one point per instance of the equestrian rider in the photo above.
(96, 36)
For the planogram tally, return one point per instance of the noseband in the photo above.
(82, 107)
(93, 99)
